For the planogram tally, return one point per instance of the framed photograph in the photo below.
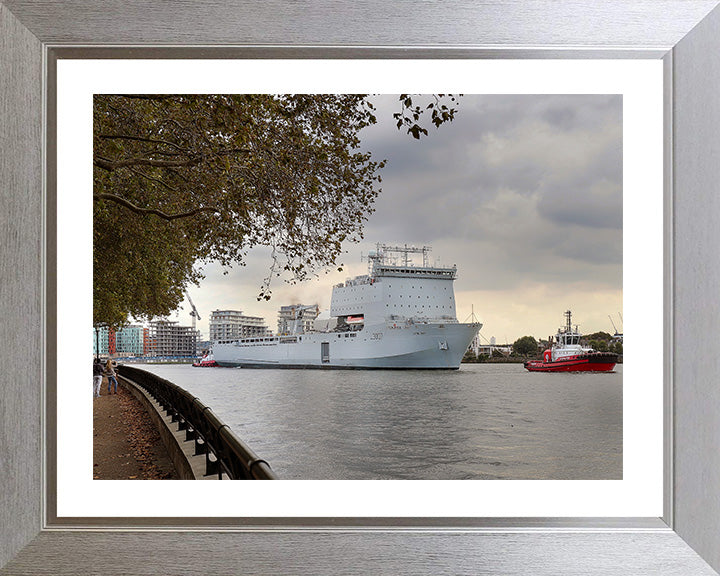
(670, 519)
(540, 149)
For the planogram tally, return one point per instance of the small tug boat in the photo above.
(207, 361)
(567, 355)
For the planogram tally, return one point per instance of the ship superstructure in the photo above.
(398, 315)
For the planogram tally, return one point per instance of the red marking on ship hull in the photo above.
(584, 363)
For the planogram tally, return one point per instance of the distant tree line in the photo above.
(527, 347)
(603, 342)
(497, 356)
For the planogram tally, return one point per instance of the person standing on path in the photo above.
(97, 377)
(110, 372)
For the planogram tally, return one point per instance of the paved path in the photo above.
(126, 444)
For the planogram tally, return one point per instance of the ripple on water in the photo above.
(480, 422)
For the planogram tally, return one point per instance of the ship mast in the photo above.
(404, 251)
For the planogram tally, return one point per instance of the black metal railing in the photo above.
(224, 452)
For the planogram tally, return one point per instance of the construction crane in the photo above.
(618, 335)
(194, 313)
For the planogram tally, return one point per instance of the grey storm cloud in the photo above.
(533, 180)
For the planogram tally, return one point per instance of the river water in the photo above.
(484, 421)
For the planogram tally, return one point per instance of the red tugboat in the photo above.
(207, 361)
(567, 355)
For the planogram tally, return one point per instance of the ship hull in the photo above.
(389, 347)
(210, 364)
(580, 363)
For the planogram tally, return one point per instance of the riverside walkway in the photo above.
(126, 443)
(153, 429)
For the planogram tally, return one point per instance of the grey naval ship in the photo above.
(401, 315)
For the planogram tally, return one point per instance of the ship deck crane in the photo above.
(297, 315)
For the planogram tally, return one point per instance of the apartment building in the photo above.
(130, 340)
(168, 338)
(233, 325)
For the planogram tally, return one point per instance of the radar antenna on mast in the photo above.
(383, 252)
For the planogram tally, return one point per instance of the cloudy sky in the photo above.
(522, 192)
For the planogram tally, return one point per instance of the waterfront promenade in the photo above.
(126, 443)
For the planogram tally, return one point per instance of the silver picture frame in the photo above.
(684, 34)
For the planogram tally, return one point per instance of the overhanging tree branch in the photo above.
(138, 139)
(152, 179)
(132, 207)
(111, 165)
